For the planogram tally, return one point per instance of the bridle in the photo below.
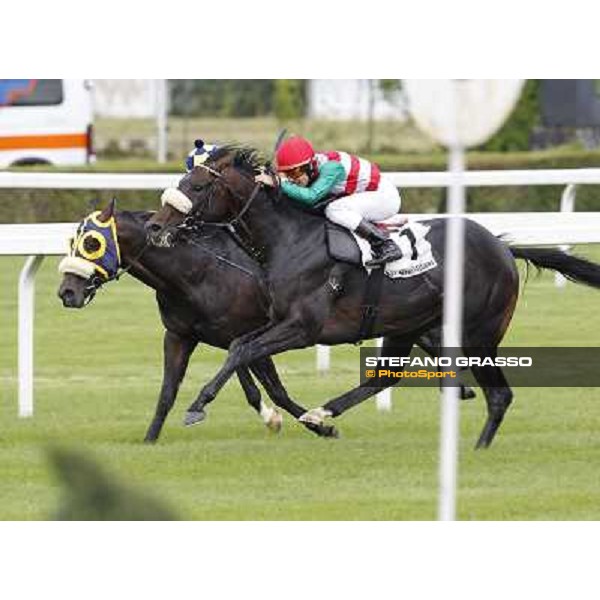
(193, 224)
(95, 282)
(193, 221)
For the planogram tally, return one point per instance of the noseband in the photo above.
(193, 220)
(94, 284)
(197, 213)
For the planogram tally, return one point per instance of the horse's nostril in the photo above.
(68, 297)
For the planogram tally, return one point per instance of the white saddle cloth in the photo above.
(411, 238)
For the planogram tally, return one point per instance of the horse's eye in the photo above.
(197, 188)
(91, 244)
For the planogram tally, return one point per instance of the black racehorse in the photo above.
(300, 271)
(208, 291)
(202, 295)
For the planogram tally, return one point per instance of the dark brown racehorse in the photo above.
(300, 272)
(203, 296)
(208, 291)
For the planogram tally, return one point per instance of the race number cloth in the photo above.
(417, 257)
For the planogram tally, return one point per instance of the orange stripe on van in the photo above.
(24, 142)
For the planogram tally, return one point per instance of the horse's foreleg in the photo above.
(286, 335)
(339, 405)
(270, 416)
(177, 352)
(266, 373)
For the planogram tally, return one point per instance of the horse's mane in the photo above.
(139, 216)
(241, 156)
(251, 161)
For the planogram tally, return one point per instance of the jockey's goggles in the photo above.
(297, 172)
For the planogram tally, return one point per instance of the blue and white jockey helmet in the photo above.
(200, 154)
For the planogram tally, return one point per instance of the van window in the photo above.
(31, 92)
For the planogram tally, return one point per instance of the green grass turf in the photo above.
(98, 372)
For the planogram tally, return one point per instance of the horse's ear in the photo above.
(238, 160)
(108, 212)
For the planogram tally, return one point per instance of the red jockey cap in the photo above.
(294, 152)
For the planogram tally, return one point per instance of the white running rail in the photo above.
(39, 240)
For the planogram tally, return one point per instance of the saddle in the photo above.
(341, 243)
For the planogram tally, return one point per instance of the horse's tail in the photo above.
(574, 268)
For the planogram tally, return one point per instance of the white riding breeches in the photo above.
(379, 205)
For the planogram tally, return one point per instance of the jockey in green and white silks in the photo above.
(361, 194)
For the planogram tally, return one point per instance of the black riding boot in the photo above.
(384, 249)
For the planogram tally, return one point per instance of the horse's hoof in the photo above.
(324, 431)
(275, 423)
(467, 393)
(315, 416)
(329, 431)
(194, 416)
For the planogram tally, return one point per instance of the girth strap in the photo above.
(370, 306)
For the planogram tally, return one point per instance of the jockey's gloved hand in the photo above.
(266, 179)
(268, 176)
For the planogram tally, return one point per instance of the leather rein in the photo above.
(95, 283)
(193, 221)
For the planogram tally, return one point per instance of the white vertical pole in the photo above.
(26, 317)
(384, 398)
(567, 205)
(161, 120)
(323, 358)
(452, 334)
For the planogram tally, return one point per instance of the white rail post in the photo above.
(162, 108)
(452, 333)
(26, 319)
(384, 398)
(567, 205)
(323, 358)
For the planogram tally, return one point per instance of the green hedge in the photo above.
(70, 205)
(516, 133)
(500, 199)
(28, 206)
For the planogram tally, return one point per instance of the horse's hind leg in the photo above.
(483, 337)
(270, 416)
(177, 352)
(431, 342)
(498, 400)
(498, 397)
(265, 371)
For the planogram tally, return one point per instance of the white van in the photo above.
(45, 121)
